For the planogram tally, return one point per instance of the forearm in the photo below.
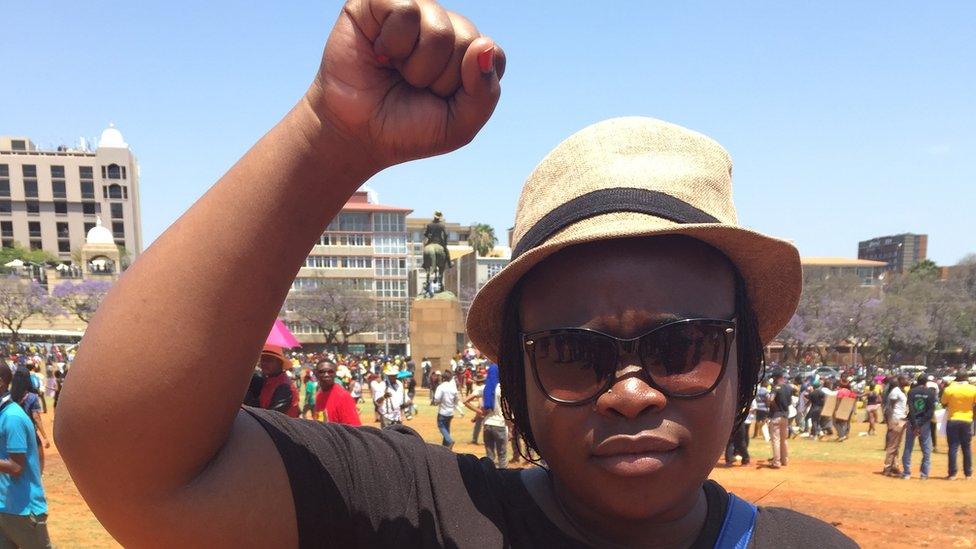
(10, 467)
(205, 293)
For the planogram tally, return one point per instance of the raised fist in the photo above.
(406, 79)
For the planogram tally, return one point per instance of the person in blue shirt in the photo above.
(23, 507)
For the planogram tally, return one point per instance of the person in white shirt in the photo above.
(446, 398)
(496, 432)
(897, 412)
(388, 397)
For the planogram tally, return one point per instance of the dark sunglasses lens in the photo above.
(573, 366)
(686, 359)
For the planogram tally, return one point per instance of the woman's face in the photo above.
(625, 288)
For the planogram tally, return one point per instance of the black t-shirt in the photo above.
(366, 487)
(782, 396)
(921, 404)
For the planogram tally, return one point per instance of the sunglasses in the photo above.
(682, 359)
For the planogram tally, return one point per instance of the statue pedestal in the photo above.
(436, 329)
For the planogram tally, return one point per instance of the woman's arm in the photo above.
(165, 459)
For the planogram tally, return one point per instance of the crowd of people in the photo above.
(328, 387)
(34, 374)
(911, 408)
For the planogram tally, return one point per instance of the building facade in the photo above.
(364, 248)
(50, 199)
(871, 273)
(901, 251)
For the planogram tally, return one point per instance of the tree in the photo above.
(17, 251)
(482, 238)
(336, 311)
(21, 299)
(925, 268)
(81, 299)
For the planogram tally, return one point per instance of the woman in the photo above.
(629, 331)
(872, 397)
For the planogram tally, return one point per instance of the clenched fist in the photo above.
(406, 79)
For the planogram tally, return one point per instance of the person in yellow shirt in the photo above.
(959, 398)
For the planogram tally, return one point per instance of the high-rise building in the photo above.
(50, 199)
(363, 248)
(901, 251)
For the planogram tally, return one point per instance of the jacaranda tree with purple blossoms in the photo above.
(81, 299)
(21, 299)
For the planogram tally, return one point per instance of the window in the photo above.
(321, 262)
(29, 170)
(391, 266)
(18, 145)
(87, 189)
(123, 172)
(34, 229)
(4, 187)
(116, 211)
(62, 229)
(4, 206)
(89, 208)
(391, 288)
(85, 172)
(57, 189)
(388, 222)
(64, 246)
(4, 170)
(33, 207)
(88, 227)
(350, 221)
(104, 173)
(118, 229)
(61, 208)
(7, 232)
(57, 172)
(390, 244)
(36, 245)
(328, 239)
(30, 188)
(114, 171)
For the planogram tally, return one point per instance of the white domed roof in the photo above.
(99, 234)
(112, 138)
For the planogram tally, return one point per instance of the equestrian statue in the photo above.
(436, 256)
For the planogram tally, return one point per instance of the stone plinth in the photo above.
(436, 329)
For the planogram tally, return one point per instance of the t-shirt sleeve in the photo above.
(19, 427)
(366, 487)
(781, 528)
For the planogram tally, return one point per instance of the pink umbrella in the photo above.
(280, 336)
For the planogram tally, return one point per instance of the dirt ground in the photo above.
(836, 482)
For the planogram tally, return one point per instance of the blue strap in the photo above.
(740, 521)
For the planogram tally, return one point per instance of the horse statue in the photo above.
(435, 263)
(436, 257)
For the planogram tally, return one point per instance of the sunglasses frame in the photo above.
(624, 346)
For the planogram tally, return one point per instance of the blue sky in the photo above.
(845, 120)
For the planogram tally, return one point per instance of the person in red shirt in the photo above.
(332, 402)
(278, 392)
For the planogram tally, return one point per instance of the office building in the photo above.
(901, 251)
(363, 248)
(51, 199)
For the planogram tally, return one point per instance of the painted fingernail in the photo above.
(486, 60)
(382, 59)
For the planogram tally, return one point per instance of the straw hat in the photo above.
(390, 370)
(629, 177)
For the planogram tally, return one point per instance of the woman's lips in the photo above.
(634, 455)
